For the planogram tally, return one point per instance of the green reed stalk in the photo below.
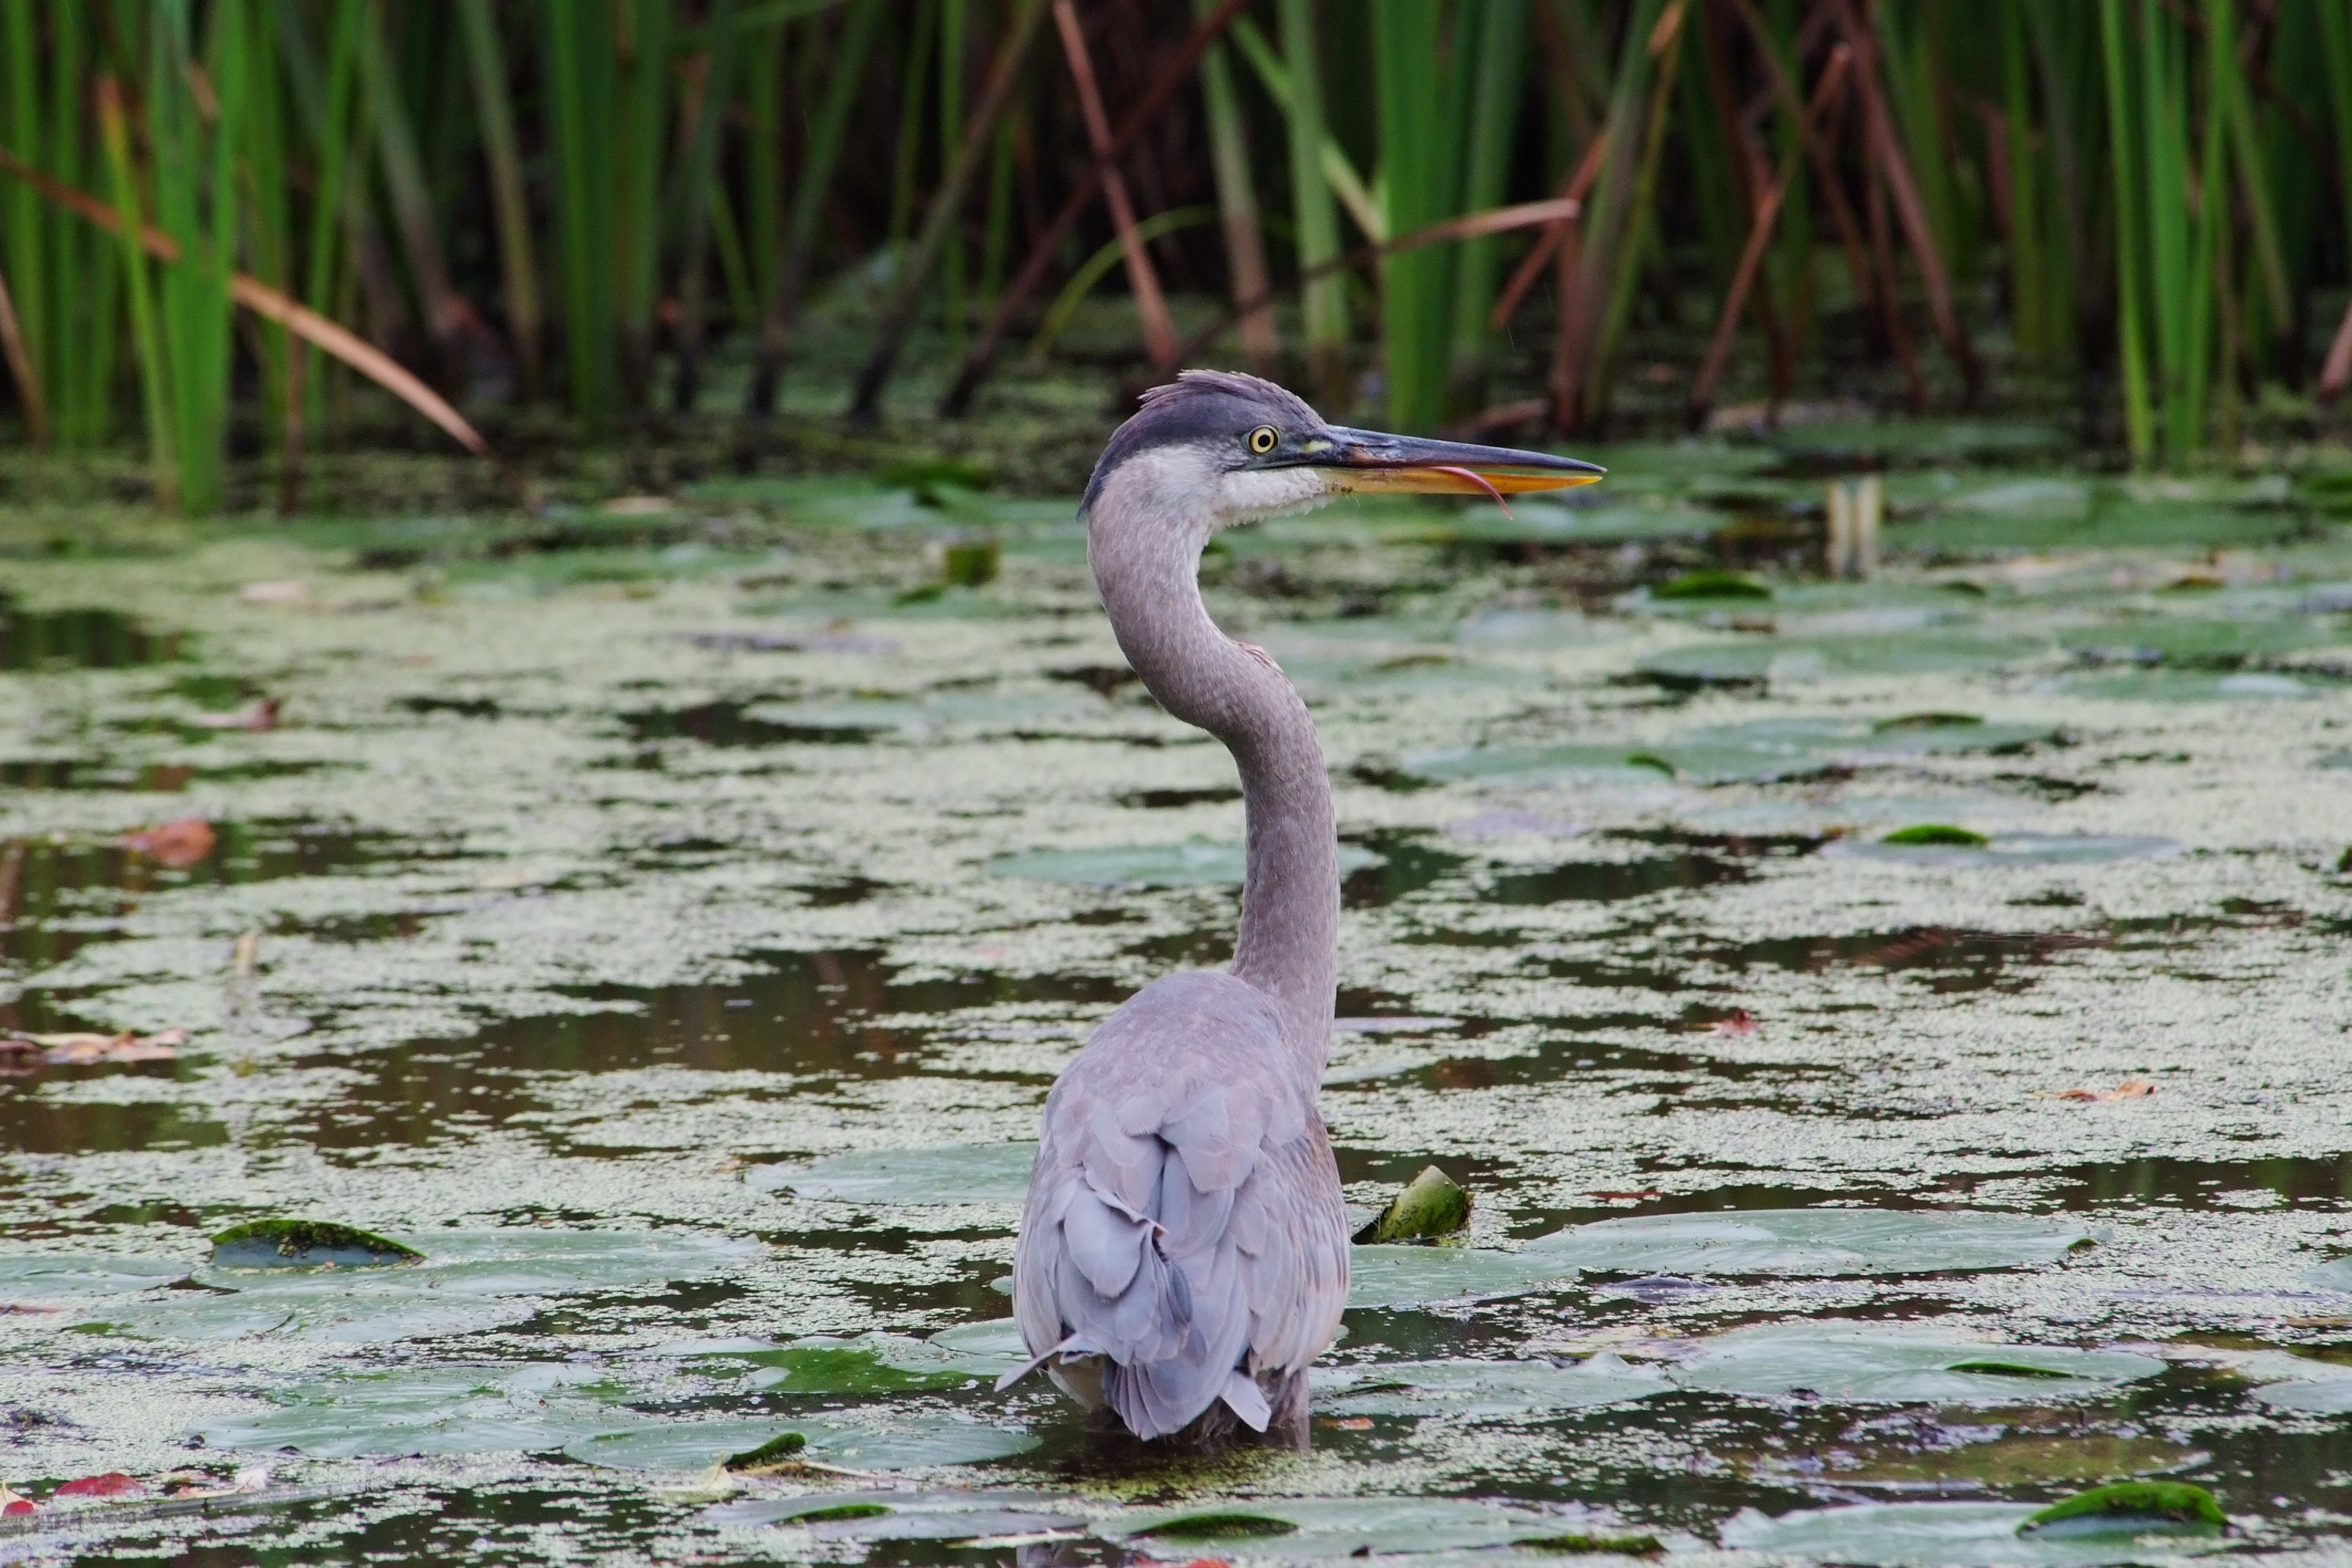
(858, 32)
(147, 338)
(952, 38)
(911, 88)
(2029, 281)
(86, 315)
(996, 225)
(1229, 156)
(2139, 421)
(269, 232)
(763, 153)
(1314, 217)
(582, 73)
(2163, 150)
(1500, 29)
(28, 224)
(2335, 55)
(1642, 231)
(486, 64)
(1420, 190)
(644, 57)
(698, 179)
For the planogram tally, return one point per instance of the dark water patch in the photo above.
(848, 891)
(31, 1122)
(1632, 1069)
(730, 723)
(457, 707)
(150, 778)
(1608, 882)
(56, 898)
(835, 1015)
(1176, 799)
(1406, 866)
(87, 638)
(1952, 958)
(2314, 1182)
(1738, 846)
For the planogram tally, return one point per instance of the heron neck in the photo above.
(1147, 570)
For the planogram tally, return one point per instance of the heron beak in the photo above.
(1367, 460)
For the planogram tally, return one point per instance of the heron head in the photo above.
(1232, 448)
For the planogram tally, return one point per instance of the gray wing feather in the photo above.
(1184, 1218)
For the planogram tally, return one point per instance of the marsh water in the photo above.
(669, 924)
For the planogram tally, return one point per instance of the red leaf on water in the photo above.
(179, 843)
(113, 1483)
(1740, 1022)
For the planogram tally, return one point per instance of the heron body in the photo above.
(1183, 1254)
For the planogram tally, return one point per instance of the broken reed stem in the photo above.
(1151, 304)
(981, 357)
(20, 366)
(1768, 212)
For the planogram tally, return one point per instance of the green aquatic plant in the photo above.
(1220, 1527)
(1431, 1206)
(278, 1243)
(1621, 1545)
(1711, 584)
(2183, 1502)
(1937, 833)
(779, 1451)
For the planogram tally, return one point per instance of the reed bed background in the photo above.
(226, 219)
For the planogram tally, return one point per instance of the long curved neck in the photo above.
(1146, 561)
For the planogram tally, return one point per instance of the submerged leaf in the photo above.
(1477, 1390)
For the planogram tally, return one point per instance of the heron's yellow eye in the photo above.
(1264, 439)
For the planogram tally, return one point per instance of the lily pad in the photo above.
(1818, 1241)
(306, 1244)
(2006, 849)
(452, 1410)
(868, 1363)
(948, 1174)
(1193, 863)
(951, 1514)
(892, 1440)
(46, 1278)
(1313, 1529)
(472, 1279)
(1419, 1276)
(1537, 764)
(1869, 1365)
(1500, 1390)
(1945, 1535)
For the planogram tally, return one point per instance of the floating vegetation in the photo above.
(1406, 1276)
(1488, 1390)
(1620, 1545)
(1219, 1527)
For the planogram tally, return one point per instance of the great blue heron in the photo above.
(1183, 1254)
